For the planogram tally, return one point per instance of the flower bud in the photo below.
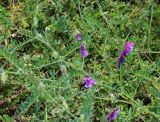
(63, 69)
(77, 34)
(26, 57)
(4, 77)
(54, 54)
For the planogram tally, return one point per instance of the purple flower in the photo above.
(88, 82)
(113, 115)
(83, 50)
(120, 60)
(78, 36)
(127, 49)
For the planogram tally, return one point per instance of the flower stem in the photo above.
(121, 73)
(83, 64)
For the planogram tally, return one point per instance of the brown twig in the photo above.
(17, 93)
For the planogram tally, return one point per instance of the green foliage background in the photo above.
(42, 71)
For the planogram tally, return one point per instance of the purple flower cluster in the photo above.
(113, 115)
(83, 50)
(78, 36)
(88, 82)
(127, 49)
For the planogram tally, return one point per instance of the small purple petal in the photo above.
(83, 50)
(113, 115)
(88, 82)
(78, 36)
(127, 49)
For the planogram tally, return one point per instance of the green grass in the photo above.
(42, 71)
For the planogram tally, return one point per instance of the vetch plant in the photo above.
(88, 82)
(127, 49)
(113, 115)
(77, 34)
(41, 68)
(83, 51)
